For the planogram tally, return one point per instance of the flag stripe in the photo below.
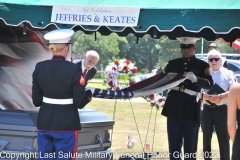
(155, 84)
(172, 83)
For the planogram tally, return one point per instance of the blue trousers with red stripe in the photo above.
(57, 145)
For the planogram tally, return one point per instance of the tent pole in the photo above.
(24, 28)
(95, 35)
(202, 49)
(137, 38)
(154, 33)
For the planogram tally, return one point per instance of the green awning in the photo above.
(218, 19)
(153, 4)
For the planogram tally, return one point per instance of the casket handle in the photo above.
(99, 140)
(94, 146)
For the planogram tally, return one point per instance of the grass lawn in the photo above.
(142, 122)
(99, 83)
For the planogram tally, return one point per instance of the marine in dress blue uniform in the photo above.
(181, 106)
(57, 90)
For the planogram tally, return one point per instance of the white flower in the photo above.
(121, 66)
(131, 65)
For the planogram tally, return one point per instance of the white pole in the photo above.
(69, 55)
(202, 49)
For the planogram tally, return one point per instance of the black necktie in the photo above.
(84, 74)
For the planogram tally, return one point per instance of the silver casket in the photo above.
(18, 135)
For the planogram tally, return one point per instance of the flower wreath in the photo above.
(114, 69)
(126, 67)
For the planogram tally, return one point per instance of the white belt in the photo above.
(57, 101)
(188, 91)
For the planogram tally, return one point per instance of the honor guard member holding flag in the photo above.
(59, 93)
(181, 106)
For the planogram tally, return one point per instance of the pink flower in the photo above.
(128, 62)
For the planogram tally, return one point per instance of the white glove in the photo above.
(191, 76)
(91, 89)
(160, 70)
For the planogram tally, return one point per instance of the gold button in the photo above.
(182, 89)
(185, 72)
(185, 67)
(185, 63)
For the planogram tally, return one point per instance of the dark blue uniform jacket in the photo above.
(58, 79)
(180, 105)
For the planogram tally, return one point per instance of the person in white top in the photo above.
(215, 113)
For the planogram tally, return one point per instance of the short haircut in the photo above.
(214, 52)
(92, 53)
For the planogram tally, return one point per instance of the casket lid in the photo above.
(27, 119)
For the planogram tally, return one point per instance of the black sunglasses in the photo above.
(215, 59)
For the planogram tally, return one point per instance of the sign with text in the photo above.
(95, 15)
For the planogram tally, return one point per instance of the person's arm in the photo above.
(205, 81)
(222, 98)
(217, 99)
(81, 97)
(232, 110)
(206, 96)
(37, 93)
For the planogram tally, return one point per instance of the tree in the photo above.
(144, 54)
(106, 46)
(147, 54)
